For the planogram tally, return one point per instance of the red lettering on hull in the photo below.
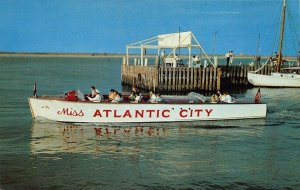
(132, 113)
(184, 113)
(70, 112)
(97, 113)
(127, 114)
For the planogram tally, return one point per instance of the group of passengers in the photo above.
(136, 96)
(95, 96)
(114, 96)
(221, 98)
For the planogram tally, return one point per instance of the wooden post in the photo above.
(203, 78)
(245, 75)
(162, 78)
(215, 78)
(183, 78)
(219, 78)
(174, 78)
(165, 78)
(179, 78)
(199, 78)
(206, 77)
(188, 79)
(170, 79)
(124, 61)
(156, 80)
(195, 78)
(233, 76)
(241, 74)
(210, 78)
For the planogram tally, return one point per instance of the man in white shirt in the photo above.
(94, 91)
(231, 57)
(96, 98)
(227, 98)
(152, 98)
(227, 56)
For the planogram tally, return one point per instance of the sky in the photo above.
(107, 26)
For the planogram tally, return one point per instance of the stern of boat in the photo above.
(251, 78)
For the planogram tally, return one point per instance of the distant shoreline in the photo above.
(17, 54)
(114, 55)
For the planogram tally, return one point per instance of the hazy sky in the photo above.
(100, 26)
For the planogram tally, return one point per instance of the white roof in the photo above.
(183, 39)
(171, 40)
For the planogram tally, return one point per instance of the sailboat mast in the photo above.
(179, 41)
(281, 36)
(258, 45)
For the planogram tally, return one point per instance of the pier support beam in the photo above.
(219, 70)
(190, 49)
(142, 55)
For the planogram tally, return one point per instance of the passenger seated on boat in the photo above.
(112, 94)
(227, 98)
(214, 98)
(94, 91)
(138, 99)
(159, 99)
(118, 98)
(152, 98)
(132, 96)
(97, 98)
(219, 95)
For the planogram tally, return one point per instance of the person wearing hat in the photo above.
(95, 95)
(94, 91)
(96, 98)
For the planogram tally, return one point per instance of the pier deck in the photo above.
(169, 79)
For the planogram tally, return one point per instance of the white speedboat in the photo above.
(192, 107)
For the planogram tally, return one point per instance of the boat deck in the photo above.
(167, 100)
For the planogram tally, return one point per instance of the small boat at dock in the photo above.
(192, 107)
(283, 77)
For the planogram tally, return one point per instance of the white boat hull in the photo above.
(275, 80)
(86, 112)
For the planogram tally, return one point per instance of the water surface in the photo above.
(244, 154)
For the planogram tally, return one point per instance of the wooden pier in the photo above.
(180, 79)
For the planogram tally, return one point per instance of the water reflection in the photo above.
(58, 137)
(161, 153)
(52, 138)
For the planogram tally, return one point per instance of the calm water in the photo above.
(246, 154)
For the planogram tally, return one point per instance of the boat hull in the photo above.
(86, 112)
(275, 80)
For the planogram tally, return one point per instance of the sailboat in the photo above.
(283, 77)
